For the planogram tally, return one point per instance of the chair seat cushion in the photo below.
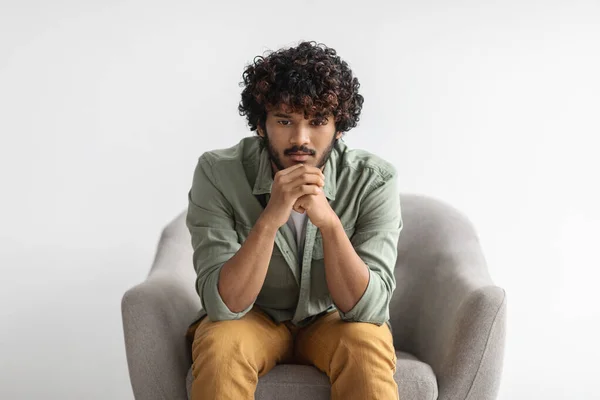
(416, 381)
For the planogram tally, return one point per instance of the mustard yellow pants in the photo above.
(230, 356)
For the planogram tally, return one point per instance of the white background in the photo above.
(492, 106)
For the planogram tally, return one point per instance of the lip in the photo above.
(299, 157)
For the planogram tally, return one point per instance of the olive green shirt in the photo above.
(229, 191)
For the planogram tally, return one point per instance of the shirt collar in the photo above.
(264, 177)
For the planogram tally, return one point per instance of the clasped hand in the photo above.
(300, 188)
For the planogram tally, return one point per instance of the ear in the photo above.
(338, 135)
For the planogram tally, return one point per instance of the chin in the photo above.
(309, 163)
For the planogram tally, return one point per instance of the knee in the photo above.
(223, 339)
(359, 338)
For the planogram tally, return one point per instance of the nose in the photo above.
(300, 136)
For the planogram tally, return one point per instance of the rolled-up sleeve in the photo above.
(214, 239)
(375, 240)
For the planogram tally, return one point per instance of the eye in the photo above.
(320, 122)
(281, 122)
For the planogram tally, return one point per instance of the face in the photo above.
(291, 139)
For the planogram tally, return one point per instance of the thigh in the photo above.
(255, 337)
(364, 343)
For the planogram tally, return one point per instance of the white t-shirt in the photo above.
(297, 223)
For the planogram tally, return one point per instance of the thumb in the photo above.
(298, 206)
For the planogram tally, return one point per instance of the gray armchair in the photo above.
(447, 316)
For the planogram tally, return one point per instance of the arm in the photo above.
(346, 274)
(360, 271)
(239, 284)
(229, 275)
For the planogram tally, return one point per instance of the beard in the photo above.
(274, 156)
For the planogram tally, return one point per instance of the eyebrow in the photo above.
(283, 115)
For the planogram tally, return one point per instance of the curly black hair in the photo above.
(309, 78)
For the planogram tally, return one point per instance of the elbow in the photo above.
(375, 319)
(217, 310)
(214, 305)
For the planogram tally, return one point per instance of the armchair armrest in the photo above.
(446, 309)
(156, 314)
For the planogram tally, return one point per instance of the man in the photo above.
(295, 238)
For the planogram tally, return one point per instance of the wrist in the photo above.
(266, 225)
(331, 226)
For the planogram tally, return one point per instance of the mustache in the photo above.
(301, 149)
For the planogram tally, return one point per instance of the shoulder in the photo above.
(240, 152)
(363, 162)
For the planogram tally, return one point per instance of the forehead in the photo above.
(285, 111)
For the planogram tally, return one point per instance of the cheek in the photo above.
(277, 146)
(275, 140)
(322, 144)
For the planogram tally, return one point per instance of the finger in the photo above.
(310, 179)
(299, 209)
(303, 202)
(290, 182)
(299, 205)
(302, 171)
(289, 170)
(303, 190)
